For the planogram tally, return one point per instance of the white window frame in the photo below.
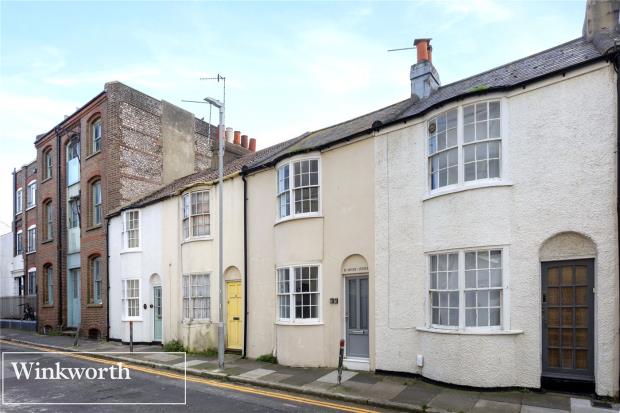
(49, 280)
(125, 234)
(187, 216)
(29, 247)
(32, 276)
(96, 279)
(97, 208)
(31, 194)
(503, 179)
(504, 291)
(291, 188)
(19, 242)
(48, 209)
(292, 319)
(188, 297)
(47, 164)
(19, 200)
(125, 299)
(96, 138)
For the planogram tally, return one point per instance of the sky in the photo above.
(290, 67)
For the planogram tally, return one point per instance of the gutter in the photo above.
(245, 263)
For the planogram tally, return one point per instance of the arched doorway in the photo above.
(356, 309)
(567, 281)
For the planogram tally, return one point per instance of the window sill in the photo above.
(194, 239)
(31, 252)
(93, 227)
(205, 321)
(138, 319)
(47, 241)
(31, 207)
(19, 212)
(489, 332)
(299, 323)
(130, 250)
(466, 187)
(47, 306)
(92, 155)
(297, 217)
(49, 178)
(94, 305)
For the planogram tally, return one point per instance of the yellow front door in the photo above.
(234, 319)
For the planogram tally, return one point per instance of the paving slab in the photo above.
(535, 409)
(319, 385)
(276, 377)
(190, 363)
(455, 400)
(304, 377)
(489, 406)
(256, 373)
(162, 357)
(419, 393)
(332, 377)
(352, 387)
(548, 400)
(365, 378)
(385, 391)
(585, 406)
(515, 397)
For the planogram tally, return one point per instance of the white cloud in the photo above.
(487, 11)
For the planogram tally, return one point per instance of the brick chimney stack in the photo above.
(423, 75)
(601, 19)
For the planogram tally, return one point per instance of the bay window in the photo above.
(298, 188)
(196, 214)
(465, 145)
(298, 293)
(130, 297)
(466, 289)
(196, 297)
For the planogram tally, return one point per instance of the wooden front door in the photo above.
(234, 320)
(568, 319)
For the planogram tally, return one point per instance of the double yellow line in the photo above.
(213, 383)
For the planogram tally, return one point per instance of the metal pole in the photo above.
(131, 336)
(220, 347)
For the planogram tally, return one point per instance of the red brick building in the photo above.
(118, 147)
(25, 230)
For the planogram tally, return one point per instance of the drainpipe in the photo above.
(59, 225)
(617, 69)
(245, 261)
(107, 275)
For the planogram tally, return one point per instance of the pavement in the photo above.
(401, 393)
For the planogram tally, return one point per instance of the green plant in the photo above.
(268, 358)
(174, 346)
(210, 352)
(479, 88)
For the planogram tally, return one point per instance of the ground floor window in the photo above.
(466, 289)
(131, 298)
(49, 283)
(32, 281)
(196, 297)
(298, 293)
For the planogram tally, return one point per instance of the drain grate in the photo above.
(601, 404)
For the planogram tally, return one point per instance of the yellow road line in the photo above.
(209, 382)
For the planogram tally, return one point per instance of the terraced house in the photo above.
(118, 147)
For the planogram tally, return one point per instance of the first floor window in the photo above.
(196, 297)
(470, 297)
(19, 201)
(196, 214)
(32, 239)
(96, 194)
(131, 297)
(95, 279)
(298, 188)
(49, 275)
(19, 243)
(131, 229)
(32, 281)
(96, 136)
(298, 293)
(49, 223)
(31, 199)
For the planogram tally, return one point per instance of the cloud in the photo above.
(487, 11)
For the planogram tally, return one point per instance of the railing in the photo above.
(13, 307)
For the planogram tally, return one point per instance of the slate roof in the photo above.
(561, 58)
(558, 59)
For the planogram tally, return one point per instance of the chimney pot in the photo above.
(237, 140)
(244, 141)
(423, 47)
(229, 134)
(253, 144)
